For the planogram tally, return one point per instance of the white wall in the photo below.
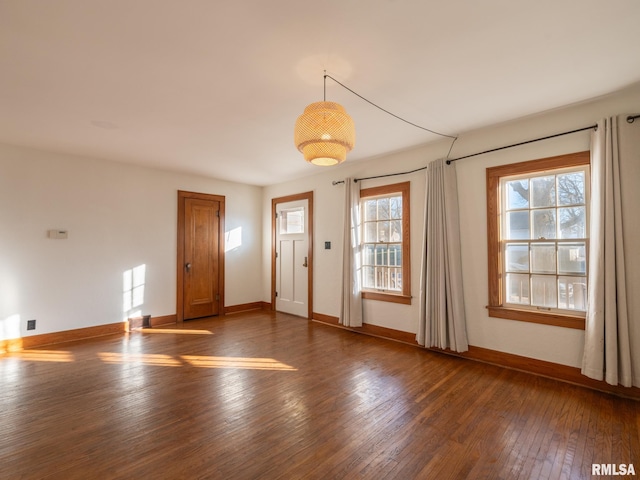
(121, 216)
(554, 344)
(118, 217)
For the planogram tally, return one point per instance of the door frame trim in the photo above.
(291, 198)
(182, 195)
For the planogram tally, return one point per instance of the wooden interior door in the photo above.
(200, 255)
(298, 256)
(292, 257)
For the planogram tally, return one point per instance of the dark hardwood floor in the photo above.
(262, 395)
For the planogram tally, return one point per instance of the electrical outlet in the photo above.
(31, 324)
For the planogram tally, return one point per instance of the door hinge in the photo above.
(217, 297)
(276, 294)
(217, 213)
(276, 214)
(276, 254)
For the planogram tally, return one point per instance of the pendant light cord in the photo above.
(385, 111)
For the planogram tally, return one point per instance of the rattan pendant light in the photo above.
(324, 133)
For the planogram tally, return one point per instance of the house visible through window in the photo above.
(385, 243)
(538, 240)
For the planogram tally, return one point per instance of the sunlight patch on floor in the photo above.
(200, 361)
(236, 362)
(176, 331)
(43, 356)
(140, 358)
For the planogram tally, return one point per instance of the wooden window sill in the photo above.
(387, 297)
(545, 318)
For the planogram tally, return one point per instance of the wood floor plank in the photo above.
(271, 396)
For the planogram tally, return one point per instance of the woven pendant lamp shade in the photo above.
(324, 133)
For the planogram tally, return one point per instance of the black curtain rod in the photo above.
(482, 153)
(630, 119)
(523, 143)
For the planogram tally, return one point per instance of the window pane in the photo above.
(381, 255)
(370, 232)
(292, 220)
(572, 258)
(543, 258)
(571, 188)
(395, 279)
(368, 254)
(544, 224)
(518, 289)
(543, 191)
(370, 210)
(383, 209)
(572, 293)
(518, 194)
(368, 277)
(383, 231)
(517, 258)
(572, 222)
(518, 226)
(544, 291)
(395, 255)
(396, 207)
(381, 278)
(395, 227)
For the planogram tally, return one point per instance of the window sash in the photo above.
(385, 246)
(500, 304)
(535, 210)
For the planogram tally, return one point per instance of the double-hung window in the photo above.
(386, 271)
(538, 240)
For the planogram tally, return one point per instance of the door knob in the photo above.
(188, 267)
(305, 264)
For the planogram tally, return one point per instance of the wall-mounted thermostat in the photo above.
(58, 234)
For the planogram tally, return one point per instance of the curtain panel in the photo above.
(351, 304)
(612, 326)
(442, 322)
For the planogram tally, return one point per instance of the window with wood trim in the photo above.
(537, 216)
(386, 266)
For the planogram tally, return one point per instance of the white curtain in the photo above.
(612, 331)
(442, 317)
(351, 308)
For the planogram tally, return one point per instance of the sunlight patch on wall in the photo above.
(133, 282)
(233, 239)
(10, 327)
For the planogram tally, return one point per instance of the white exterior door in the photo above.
(292, 262)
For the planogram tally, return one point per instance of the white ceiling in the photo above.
(214, 87)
